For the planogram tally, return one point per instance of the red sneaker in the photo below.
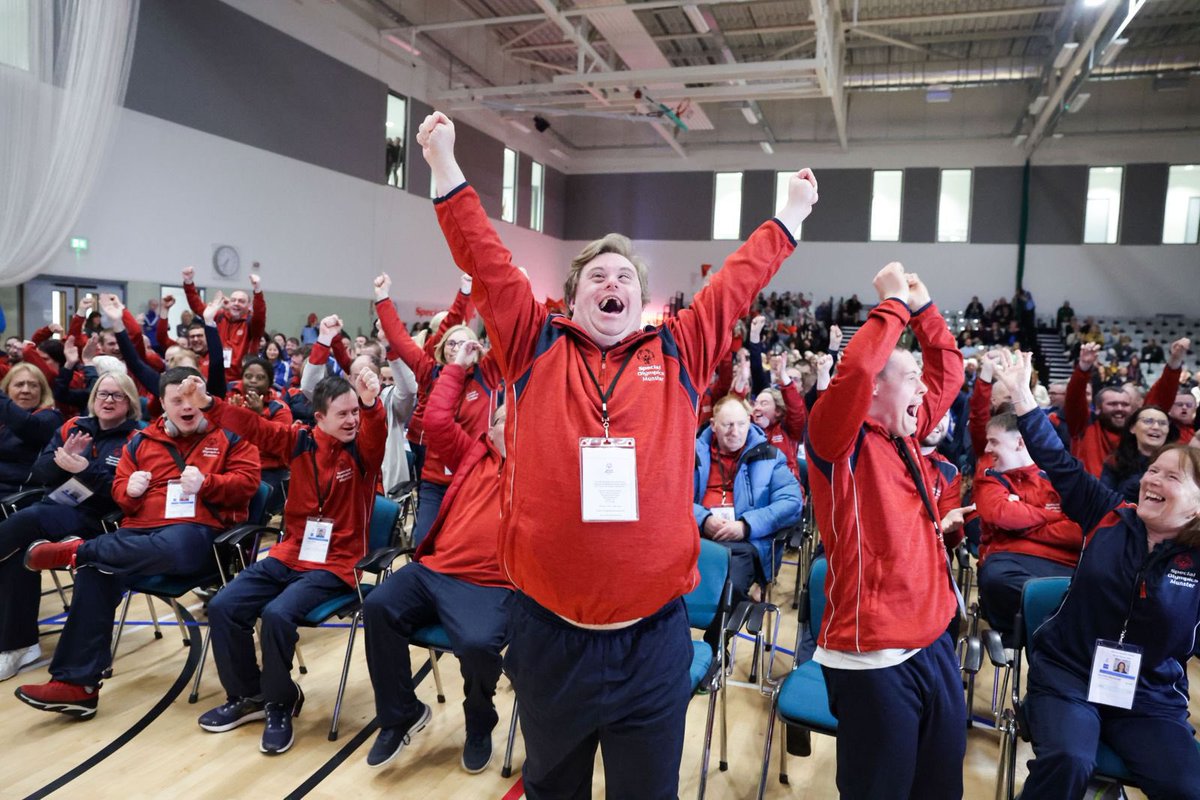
(66, 698)
(44, 554)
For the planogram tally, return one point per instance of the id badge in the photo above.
(722, 512)
(317, 533)
(71, 493)
(179, 504)
(1115, 670)
(608, 480)
(228, 354)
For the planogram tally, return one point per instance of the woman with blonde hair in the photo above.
(77, 469)
(27, 421)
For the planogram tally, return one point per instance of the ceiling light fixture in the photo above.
(1113, 50)
(696, 16)
(521, 126)
(767, 148)
(749, 113)
(1038, 104)
(403, 45)
(1078, 103)
(1020, 139)
(1064, 54)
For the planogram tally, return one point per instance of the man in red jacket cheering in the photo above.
(179, 482)
(889, 663)
(598, 534)
(334, 467)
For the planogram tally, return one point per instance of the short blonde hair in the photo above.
(731, 398)
(47, 397)
(611, 243)
(439, 350)
(125, 384)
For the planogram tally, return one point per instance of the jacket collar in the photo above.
(584, 339)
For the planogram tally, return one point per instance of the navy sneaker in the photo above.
(277, 736)
(391, 741)
(477, 753)
(235, 712)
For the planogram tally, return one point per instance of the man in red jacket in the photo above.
(1094, 436)
(889, 663)
(335, 466)
(1025, 533)
(1183, 414)
(240, 324)
(598, 534)
(180, 482)
(455, 580)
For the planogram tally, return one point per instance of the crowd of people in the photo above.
(567, 466)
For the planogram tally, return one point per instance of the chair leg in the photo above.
(766, 763)
(437, 676)
(195, 695)
(723, 764)
(299, 657)
(506, 770)
(117, 637)
(708, 732)
(153, 616)
(337, 704)
(62, 595)
(183, 631)
(783, 736)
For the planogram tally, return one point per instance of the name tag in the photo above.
(317, 533)
(71, 493)
(1115, 670)
(179, 504)
(228, 353)
(608, 480)
(722, 512)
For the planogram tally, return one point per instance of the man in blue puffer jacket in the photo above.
(743, 493)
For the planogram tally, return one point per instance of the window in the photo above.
(954, 206)
(1181, 222)
(508, 194)
(727, 206)
(16, 33)
(395, 126)
(781, 195)
(1103, 214)
(536, 194)
(885, 205)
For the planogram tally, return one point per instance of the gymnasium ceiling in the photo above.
(671, 75)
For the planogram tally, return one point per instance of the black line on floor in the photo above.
(181, 683)
(337, 759)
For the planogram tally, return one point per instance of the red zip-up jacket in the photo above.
(464, 541)
(888, 585)
(1091, 442)
(787, 434)
(347, 484)
(241, 335)
(946, 486)
(273, 410)
(230, 467)
(1033, 525)
(459, 313)
(600, 572)
(480, 394)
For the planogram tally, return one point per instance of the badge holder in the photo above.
(1115, 668)
(180, 505)
(71, 493)
(608, 488)
(318, 531)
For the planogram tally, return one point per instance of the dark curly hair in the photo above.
(1127, 459)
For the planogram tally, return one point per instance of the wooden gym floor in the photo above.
(144, 741)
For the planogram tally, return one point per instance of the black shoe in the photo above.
(477, 753)
(235, 712)
(391, 741)
(277, 736)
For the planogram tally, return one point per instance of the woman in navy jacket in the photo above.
(87, 450)
(27, 421)
(739, 470)
(1138, 581)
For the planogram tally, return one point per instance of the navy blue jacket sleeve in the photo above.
(758, 377)
(1084, 498)
(32, 427)
(217, 386)
(144, 373)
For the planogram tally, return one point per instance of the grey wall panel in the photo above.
(674, 206)
(208, 66)
(843, 213)
(524, 191)
(1143, 203)
(417, 171)
(996, 205)
(553, 221)
(919, 206)
(482, 160)
(1057, 200)
(758, 200)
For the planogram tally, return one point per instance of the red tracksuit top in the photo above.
(1033, 525)
(241, 336)
(1091, 442)
(229, 464)
(787, 433)
(464, 541)
(479, 394)
(274, 410)
(347, 484)
(600, 572)
(888, 585)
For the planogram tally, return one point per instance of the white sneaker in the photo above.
(11, 661)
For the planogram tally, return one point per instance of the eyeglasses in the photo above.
(454, 344)
(1155, 423)
(114, 396)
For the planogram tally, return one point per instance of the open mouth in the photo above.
(1151, 497)
(187, 419)
(611, 305)
(912, 410)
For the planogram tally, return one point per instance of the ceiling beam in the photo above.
(892, 40)
(704, 73)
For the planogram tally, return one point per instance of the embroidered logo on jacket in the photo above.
(344, 475)
(648, 371)
(211, 452)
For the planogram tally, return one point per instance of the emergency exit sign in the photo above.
(79, 244)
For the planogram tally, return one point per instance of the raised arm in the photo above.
(758, 376)
(114, 313)
(270, 437)
(191, 292)
(795, 417)
(257, 327)
(397, 334)
(1076, 413)
(459, 313)
(941, 360)
(444, 435)
(1162, 393)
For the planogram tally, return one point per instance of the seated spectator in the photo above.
(328, 511)
(28, 420)
(974, 309)
(1152, 352)
(455, 580)
(1064, 315)
(1183, 414)
(180, 482)
(1136, 376)
(1148, 430)
(1025, 533)
(1151, 550)
(256, 394)
(78, 466)
(744, 494)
